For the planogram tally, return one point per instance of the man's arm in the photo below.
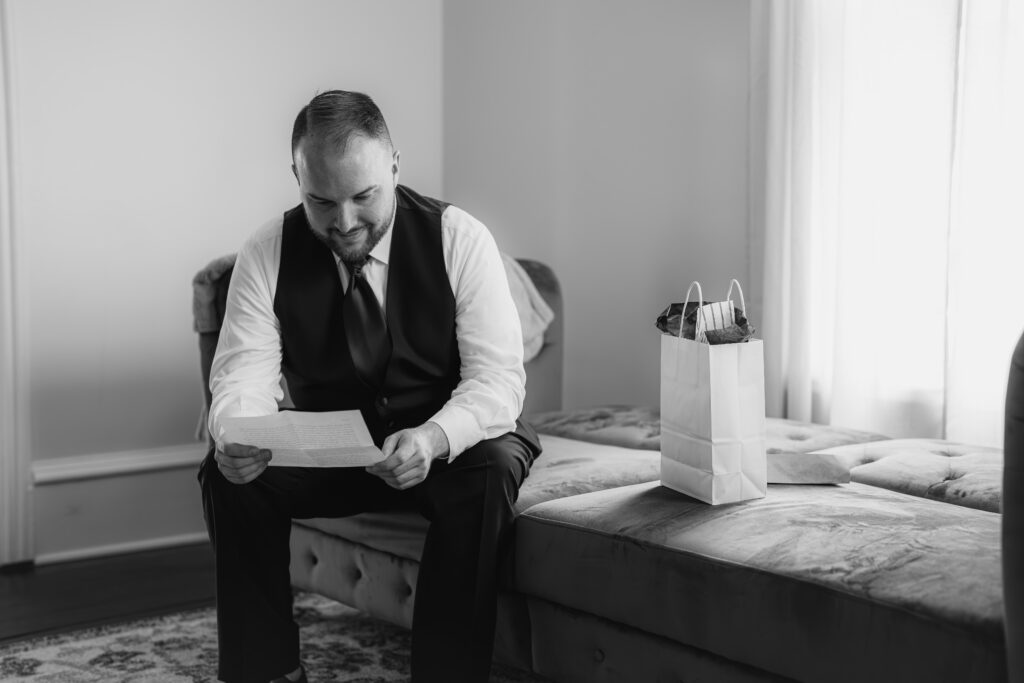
(489, 397)
(490, 393)
(245, 377)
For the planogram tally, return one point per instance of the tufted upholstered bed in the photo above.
(892, 575)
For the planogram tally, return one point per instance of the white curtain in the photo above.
(894, 213)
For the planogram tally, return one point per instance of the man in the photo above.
(367, 296)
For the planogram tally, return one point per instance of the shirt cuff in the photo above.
(461, 428)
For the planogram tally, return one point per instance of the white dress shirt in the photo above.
(246, 379)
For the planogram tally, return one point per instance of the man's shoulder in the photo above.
(267, 236)
(458, 226)
(459, 223)
(261, 252)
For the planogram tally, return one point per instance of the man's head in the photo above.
(347, 170)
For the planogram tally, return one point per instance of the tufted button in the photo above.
(408, 591)
(599, 655)
(356, 575)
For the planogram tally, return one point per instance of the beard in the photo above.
(355, 254)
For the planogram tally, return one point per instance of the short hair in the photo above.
(336, 115)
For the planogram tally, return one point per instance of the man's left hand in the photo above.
(408, 454)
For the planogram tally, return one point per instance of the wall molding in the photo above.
(122, 548)
(16, 520)
(95, 465)
(110, 503)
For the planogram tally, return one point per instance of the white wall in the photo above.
(147, 138)
(151, 137)
(609, 140)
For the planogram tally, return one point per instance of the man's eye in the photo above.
(362, 197)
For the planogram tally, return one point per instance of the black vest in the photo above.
(316, 362)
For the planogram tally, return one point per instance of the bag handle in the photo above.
(728, 296)
(700, 307)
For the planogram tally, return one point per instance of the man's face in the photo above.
(349, 195)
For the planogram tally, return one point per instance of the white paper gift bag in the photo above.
(712, 415)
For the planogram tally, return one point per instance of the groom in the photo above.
(367, 296)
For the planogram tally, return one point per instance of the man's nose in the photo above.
(347, 219)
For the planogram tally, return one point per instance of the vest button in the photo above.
(391, 424)
(382, 401)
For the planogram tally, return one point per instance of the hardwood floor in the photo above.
(66, 596)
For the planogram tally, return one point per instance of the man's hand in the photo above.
(408, 454)
(240, 464)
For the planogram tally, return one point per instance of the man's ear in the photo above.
(395, 165)
(295, 173)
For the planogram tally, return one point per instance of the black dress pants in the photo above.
(469, 503)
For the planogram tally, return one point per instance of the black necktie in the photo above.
(365, 329)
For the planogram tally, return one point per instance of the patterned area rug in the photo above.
(338, 644)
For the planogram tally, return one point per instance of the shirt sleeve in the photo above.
(489, 397)
(245, 377)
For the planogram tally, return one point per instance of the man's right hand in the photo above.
(240, 464)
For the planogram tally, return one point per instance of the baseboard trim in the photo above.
(122, 548)
(76, 467)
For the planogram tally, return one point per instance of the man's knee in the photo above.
(212, 481)
(210, 478)
(217, 490)
(488, 475)
(505, 461)
(204, 466)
